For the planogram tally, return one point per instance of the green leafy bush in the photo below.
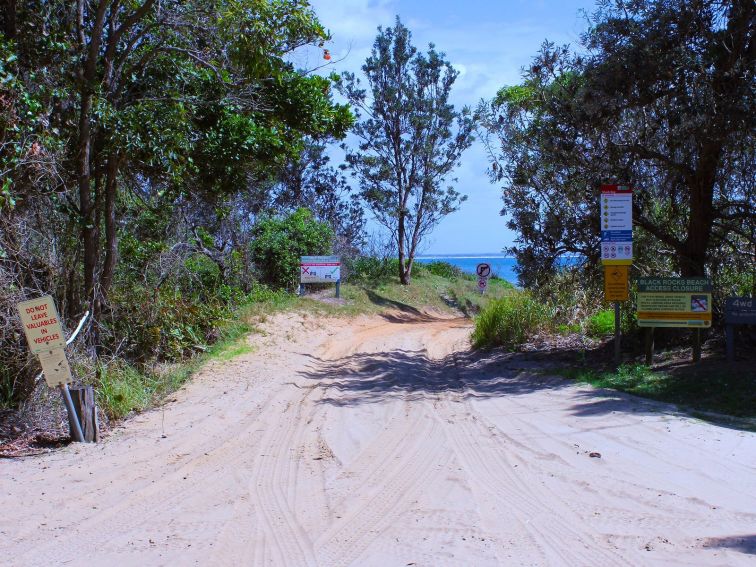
(280, 241)
(370, 269)
(510, 321)
(601, 323)
(443, 269)
(121, 389)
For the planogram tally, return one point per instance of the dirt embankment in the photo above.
(383, 441)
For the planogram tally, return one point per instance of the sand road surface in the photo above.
(383, 441)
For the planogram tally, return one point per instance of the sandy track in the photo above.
(383, 441)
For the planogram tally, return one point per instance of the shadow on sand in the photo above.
(741, 543)
(365, 378)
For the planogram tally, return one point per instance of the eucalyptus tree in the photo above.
(659, 96)
(175, 96)
(410, 138)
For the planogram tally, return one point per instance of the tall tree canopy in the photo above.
(178, 97)
(660, 96)
(410, 138)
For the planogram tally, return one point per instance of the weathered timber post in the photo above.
(84, 402)
(730, 342)
(696, 345)
(649, 346)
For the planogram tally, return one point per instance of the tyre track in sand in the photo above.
(383, 441)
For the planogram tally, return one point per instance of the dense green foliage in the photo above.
(411, 139)
(600, 323)
(279, 242)
(443, 269)
(658, 96)
(139, 143)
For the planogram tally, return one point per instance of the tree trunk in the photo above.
(701, 220)
(9, 19)
(83, 164)
(111, 237)
(403, 276)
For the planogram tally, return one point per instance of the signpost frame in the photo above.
(320, 269)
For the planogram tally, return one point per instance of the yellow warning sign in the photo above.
(616, 280)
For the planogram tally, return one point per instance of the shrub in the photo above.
(371, 269)
(280, 241)
(122, 389)
(601, 323)
(443, 269)
(510, 321)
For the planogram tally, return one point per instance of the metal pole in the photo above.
(338, 289)
(73, 417)
(617, 334)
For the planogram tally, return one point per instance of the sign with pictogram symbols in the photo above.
(320, 269)
(616, 225)
(674, 302)
(616, 283)
(483, 270)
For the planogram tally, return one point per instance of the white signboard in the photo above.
(616, 224)
(320, 269)
(41, 324)
(55, 367)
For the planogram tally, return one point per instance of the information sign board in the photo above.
(41, 324)
(320, 269)
(616, 225)
(616, 283)
(674, 302)
(740, 311)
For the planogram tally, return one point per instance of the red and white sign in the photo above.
(482, 284)
(41, 324)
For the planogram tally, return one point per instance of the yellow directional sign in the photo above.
(616, 283)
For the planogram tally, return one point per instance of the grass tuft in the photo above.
(509, 321)
(600, 324)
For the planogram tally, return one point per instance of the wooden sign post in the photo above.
(738, 311)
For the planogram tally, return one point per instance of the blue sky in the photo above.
(488, 42)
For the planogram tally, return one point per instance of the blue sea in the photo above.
(501, 265)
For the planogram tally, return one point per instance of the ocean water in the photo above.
(502, 266)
